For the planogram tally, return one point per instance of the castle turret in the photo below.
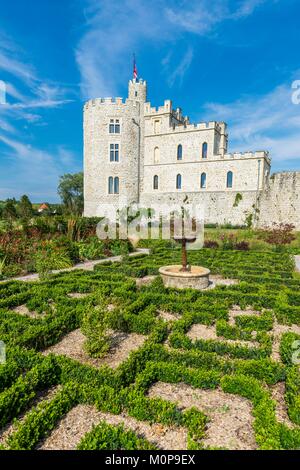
(137, 90)
(113, 149)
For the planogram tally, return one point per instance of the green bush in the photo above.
(289, 347)
(108, 437)
(95, 327)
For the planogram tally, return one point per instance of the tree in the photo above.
(25, 207)
(9, 210)
(70, 190)
(279, 234)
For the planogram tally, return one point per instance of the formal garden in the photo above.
(97, 353)
(111, 359)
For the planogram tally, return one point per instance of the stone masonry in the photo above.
(155, 146)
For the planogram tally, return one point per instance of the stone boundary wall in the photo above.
(219, 207)
(280, 200)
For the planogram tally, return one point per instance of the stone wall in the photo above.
(248, 174)
(280, 200)
(218, 207)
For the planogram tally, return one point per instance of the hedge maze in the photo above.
(213, 369)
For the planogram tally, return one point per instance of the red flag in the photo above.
(135, 72)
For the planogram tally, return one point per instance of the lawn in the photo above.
(111, 359)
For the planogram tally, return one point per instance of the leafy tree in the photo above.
(70, 190)
(25, 207)
(9, 211)
(279, 235)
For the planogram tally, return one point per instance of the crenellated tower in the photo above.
(113, 149)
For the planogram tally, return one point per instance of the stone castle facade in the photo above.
(138, 153)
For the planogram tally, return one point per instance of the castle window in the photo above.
(113, 185)
(178, 181)
(204, 150)
(114, 152)
(157, 126)
(229, 179)
(156, 155)
(110, 185)
(155, 182)
(136, 93)
(203, 180)
(116, 185)
(114, 126)
(179, 152)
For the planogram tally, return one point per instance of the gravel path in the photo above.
(86, 266)
(45, 396)
(72, 345)
(81, 419)
(281, 410)
(199, 331)
(277, 332)
(230, 416)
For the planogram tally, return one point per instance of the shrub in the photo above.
(211, 244)
(278, 235)
(242, 246)
(91, 249)
(293, 394)
(47, 260)
(107, 437)
(289, 347)
(227, 241)
(95, 326)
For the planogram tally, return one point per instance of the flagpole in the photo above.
(135, 73)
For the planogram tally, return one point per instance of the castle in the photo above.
(149, 155)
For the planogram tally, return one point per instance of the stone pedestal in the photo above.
(196, 278)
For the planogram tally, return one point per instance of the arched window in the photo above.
(113, 185)
(110, 185)
(204, 150)
(229, 179)
(156, 155)
(178, 182)
(203, 180)
(155, 182)
(179, 152)
(116, 185)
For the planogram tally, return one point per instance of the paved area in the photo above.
(86, 266)
(297, 261)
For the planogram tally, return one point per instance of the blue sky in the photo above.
(217, 59)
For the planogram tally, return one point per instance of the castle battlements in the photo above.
(104, 101)
(153, 111)
(258, 154)
(186, 127)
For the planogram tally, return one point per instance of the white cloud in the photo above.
(270, 122)
(201, 16)
(114, 30)
(198, 16)
(38, 93)
(34, 171)
(247, 7)
(182, 67)
(28, 169)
